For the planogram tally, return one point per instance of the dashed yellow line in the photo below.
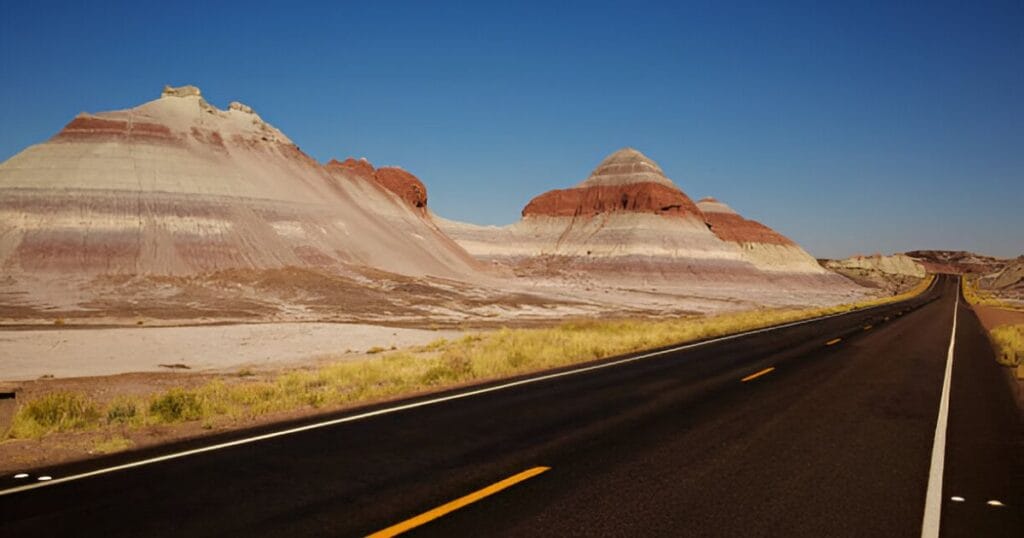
(444, 509)
(867, 327)
(833, 341)
(758, 374)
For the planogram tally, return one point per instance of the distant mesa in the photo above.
(625, 181)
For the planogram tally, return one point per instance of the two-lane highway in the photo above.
(823, 428)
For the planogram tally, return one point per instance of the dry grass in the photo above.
(1008, 340)
(1009, 344)
(443, 363)
(112, 444)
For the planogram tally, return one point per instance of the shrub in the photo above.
(1009, 344)
(122, 411)
(177, 405)
(57, 411)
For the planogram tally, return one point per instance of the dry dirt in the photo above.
(992, 317)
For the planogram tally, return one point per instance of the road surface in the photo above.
(825, 428)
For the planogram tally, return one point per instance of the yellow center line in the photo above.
(447, 508)
(758, 374)
(867, 327)
(833, 341)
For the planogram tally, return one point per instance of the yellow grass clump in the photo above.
(442, 364)
(1009, 344)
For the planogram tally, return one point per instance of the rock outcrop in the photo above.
(407, 186)
(395, 180)
(176, 186)
(892, 273)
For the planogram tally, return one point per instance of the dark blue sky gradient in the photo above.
(869, 127)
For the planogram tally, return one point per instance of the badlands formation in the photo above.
(178, 187)
(629, 225)
(176, 211)
(893, 273)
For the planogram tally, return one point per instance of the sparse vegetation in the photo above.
(57, 411)
(113, 444)
(177, 405)
(1009, 344)
(442, 363)
(1007, 340)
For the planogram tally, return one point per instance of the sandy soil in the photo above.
(31, 354)
(992, 317)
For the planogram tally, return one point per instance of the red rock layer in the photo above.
(732, 227)
(360, 168)
(644, 197)
(85, 128)
(407, 186)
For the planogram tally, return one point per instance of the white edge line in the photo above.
(369, 414)
(933, 498)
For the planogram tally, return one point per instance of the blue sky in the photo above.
(859, 128)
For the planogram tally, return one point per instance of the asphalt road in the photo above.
(824, 438)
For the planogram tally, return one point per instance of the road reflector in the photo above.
(833, 341)
(867, 327)
(444, 509)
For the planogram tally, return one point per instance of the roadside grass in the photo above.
(441, 364)
(1009, 343)
(54, 412)
(113, 444)
(1008, 340)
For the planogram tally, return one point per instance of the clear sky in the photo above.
(868, 127)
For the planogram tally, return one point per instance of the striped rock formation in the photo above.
(762, 246)
(178, 187)
(626, 219)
